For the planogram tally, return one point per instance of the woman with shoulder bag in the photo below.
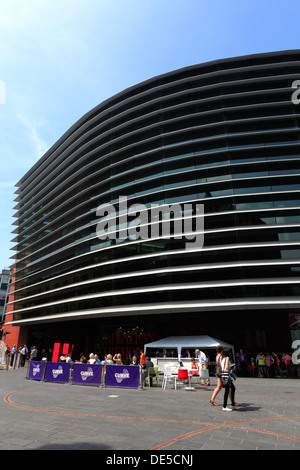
(227, 381)
(218, 374)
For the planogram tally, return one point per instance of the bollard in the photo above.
(7, 356)
(103, 376)
(140, 387)
(44, 372)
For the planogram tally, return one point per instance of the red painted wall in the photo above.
(16, 335)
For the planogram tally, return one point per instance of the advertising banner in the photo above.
(122, 376)
(36, 370)
(57, 372)
(87, 374)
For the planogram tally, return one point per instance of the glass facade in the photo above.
(5, 277)
(224, 134)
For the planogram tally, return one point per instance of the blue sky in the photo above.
(60, 58)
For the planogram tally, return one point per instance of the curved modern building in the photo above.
(223, 135)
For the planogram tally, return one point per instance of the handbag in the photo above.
(226, 378)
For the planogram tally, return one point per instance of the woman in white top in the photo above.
(92, 359)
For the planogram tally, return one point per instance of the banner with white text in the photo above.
(87, 374)
(36, 370)
(58, 372)
(122, 376)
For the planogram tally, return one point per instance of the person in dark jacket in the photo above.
(146, 367)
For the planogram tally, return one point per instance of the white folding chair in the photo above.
(168, 377)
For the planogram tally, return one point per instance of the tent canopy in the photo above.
(188, 342)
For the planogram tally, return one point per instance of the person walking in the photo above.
(227, 367)
(218, 388)
(12, 357)
(24, 352)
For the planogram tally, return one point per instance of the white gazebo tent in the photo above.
(188, 342)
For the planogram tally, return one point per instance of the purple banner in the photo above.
(87, 374)
(122, 376)
(57, 372)
(36, 370)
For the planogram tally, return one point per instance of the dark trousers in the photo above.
(226, 393)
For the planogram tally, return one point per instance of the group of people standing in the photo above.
(108, 359)
(265, 364)
(23, 352)
(270, 365)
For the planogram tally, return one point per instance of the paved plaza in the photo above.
(50, 416)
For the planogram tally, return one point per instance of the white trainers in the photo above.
(227, 409)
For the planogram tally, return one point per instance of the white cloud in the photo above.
(33, 137)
